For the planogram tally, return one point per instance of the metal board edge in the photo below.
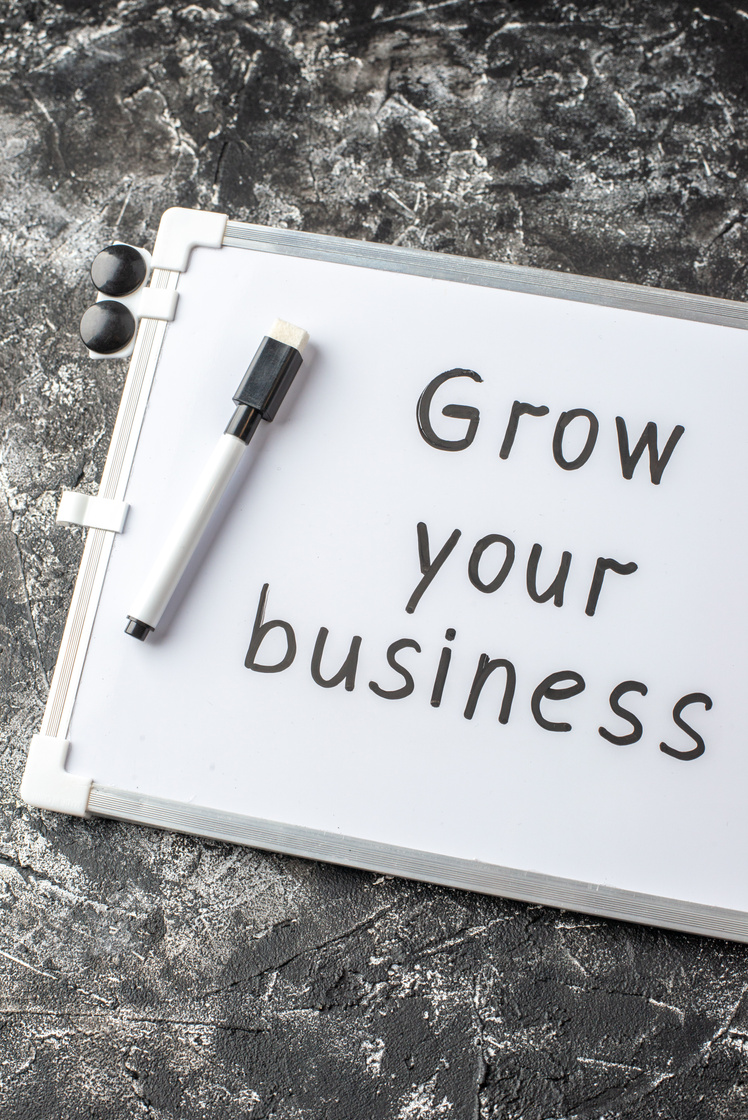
(491, 274)
(91, 572)
(447, 871)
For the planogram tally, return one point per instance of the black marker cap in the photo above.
(268, 377)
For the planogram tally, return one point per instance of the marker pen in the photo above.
(261, 391)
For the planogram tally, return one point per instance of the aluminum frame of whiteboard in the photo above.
(105, 801)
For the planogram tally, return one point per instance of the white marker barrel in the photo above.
(179, 546)
(260, 392)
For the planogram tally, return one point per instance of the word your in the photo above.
(629, 458)
(552, 689)
(554, 591)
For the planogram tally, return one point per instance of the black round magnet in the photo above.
(118, 270)
(108, 326)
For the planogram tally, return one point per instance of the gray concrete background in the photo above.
(152, 975)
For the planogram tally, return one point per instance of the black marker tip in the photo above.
(137, 629)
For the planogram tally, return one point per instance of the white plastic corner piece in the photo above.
(181, 231)
(46, 783)
(92, 512)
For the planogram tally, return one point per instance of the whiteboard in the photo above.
(321, 525)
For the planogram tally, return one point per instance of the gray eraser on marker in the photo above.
(285, 332)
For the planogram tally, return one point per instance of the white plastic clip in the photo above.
(46, 783)
(148, 303)
(92, 512)
(181, 231)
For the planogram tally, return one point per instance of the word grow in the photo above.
(629, 458)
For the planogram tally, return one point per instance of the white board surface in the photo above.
(325, 511)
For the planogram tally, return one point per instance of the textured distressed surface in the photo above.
(149, 975)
